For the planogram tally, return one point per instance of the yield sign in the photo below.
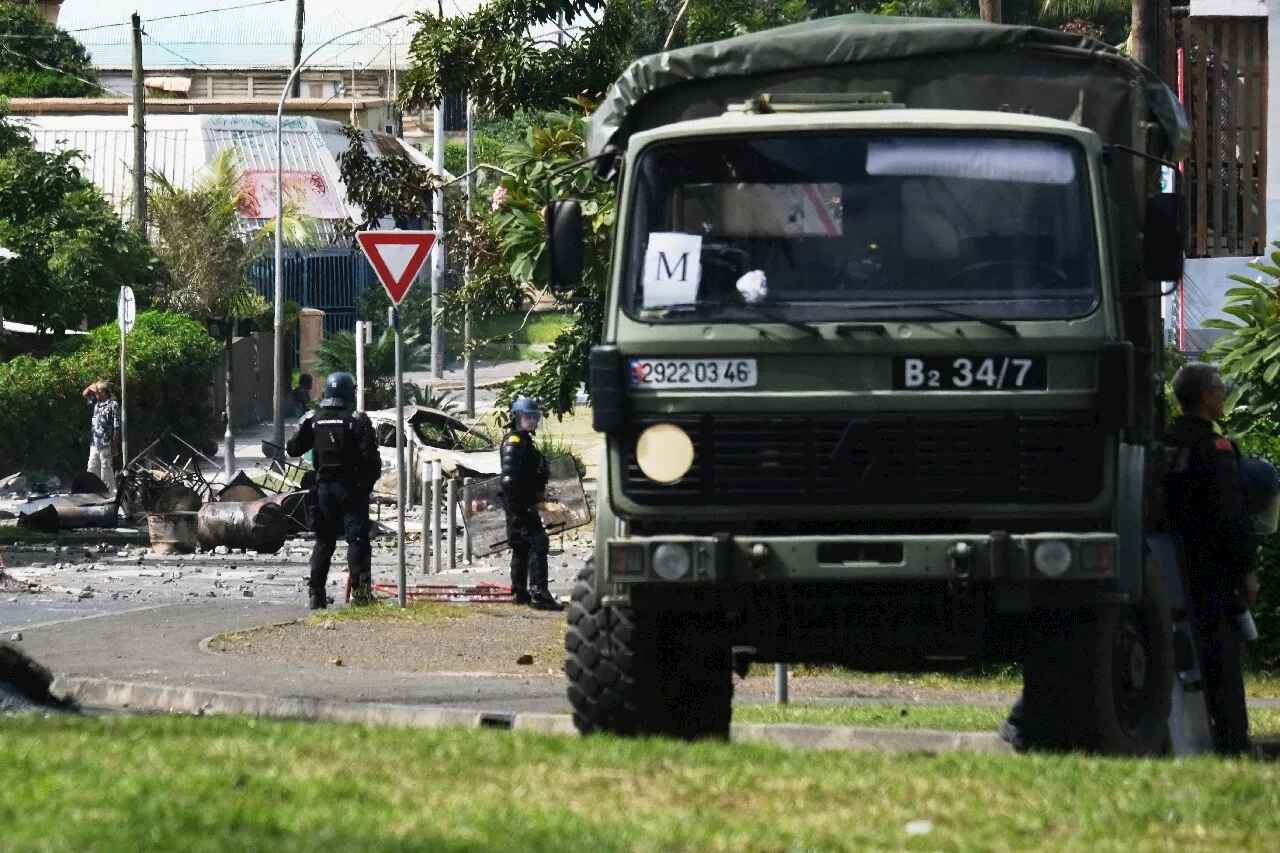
(397, 257)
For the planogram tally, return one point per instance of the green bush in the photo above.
(1263, 439)
(44, 422)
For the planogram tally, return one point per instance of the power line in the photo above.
(170, 50)
(183, 15)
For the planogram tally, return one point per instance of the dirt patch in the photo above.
(491, 639)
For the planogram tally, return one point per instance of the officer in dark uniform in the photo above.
(524, 478)
(347, 465)
(1205, 506)
(1204, 500)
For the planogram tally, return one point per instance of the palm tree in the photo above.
(338, 353)
(1089, 9)
(208, 254)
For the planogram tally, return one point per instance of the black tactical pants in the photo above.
(529, 547)
(340, 510)
(1220, 648)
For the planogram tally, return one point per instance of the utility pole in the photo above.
(989, 10)
(437, 266)
(139, 131)
(469, 366)
(299, 19)
(1144, 32)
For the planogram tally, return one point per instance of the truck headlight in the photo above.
(671, 561)
(664, 453)
(1052, 558)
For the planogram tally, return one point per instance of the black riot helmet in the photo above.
(339, 392)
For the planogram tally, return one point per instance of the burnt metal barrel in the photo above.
(172, 532)
(259, 525)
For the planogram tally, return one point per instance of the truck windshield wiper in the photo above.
(698, 307)
(986, 321)
(807, 328)
(941, 308)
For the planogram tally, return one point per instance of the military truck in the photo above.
(881, 373)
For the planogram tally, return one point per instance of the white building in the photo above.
(179, 147)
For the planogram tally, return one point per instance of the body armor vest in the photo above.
(332, 439)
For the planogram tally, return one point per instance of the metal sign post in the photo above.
(126, 316)
(362, 328)
(397, 258)
(402, 582)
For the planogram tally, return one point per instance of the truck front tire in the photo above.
(1101, 680)
(667, 674)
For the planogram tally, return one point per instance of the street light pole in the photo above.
(277, 388)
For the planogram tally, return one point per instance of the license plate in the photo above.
(971, 373)
(692, 373)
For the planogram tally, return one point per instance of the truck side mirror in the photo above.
(1163, 238)
(564, 242)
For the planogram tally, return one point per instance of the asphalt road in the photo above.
(161, 645)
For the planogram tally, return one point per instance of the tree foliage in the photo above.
(514, 236)
(1249, 351)
(338, 353)
(200, 238)
(73, 252)
(389, 186)
(38, 60)
(492, 55)
(44, 421)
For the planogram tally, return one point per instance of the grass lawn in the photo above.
(1263, 722)
(951, 718)
(1258, 684)
(215, 784)
(514, 336)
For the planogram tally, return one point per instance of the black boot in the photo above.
(317, 600)
(519, 578)
(540, 597)
(362, 591)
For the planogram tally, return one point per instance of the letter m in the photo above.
(664, 265)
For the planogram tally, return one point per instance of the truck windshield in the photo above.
(838, 226)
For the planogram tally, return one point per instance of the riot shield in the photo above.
(484, 516)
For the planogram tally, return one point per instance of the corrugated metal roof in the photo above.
(174, 148)
(247, 36)
(179, 147)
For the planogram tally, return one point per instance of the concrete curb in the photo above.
(124, 695)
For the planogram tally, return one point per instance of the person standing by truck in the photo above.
(524, 478)
(1205, 507)
(347, 465)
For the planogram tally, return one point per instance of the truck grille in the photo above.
(974, 458)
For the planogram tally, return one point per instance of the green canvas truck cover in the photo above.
(922, 62)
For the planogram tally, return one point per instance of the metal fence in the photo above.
(1220, 69)
(332, 282)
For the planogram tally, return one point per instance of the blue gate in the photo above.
(331, 281)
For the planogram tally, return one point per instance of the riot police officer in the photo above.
(524, 478)
(347, 464)
(1205, 505)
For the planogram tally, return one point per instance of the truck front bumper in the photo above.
(995, 557)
